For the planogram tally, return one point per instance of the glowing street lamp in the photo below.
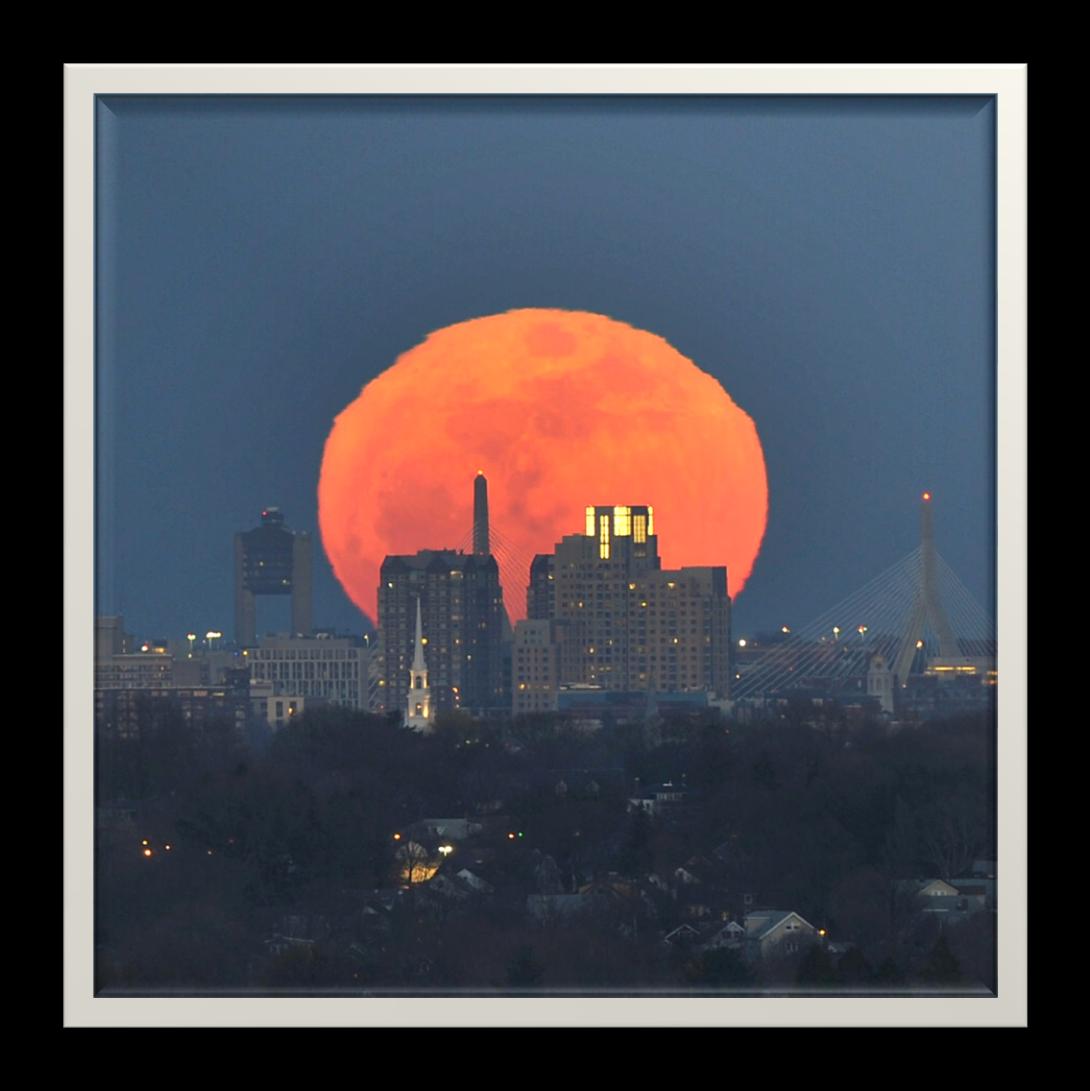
(445, 850)
(211, 636)
(191, 637)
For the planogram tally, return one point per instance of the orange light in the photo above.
(510, 837)
(927, 496)
(397, 837)
(147, 852)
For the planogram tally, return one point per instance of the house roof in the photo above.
(773, 918)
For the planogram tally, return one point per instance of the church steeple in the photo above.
(419, 663)
(418, 715)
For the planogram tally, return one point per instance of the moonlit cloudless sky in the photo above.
(829, 260)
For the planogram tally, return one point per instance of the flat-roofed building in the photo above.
(323, 667)
(628, 624)
(535, 666)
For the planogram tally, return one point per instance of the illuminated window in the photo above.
(639, 528)
(622, 522)
(603, 537)
(590, 522)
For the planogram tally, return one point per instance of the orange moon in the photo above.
(560, 409)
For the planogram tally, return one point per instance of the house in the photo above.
(682, 936)
(956, 896)
(975, 893)
(730, 935)
(777, 932)
(475, 882)
(654, 799)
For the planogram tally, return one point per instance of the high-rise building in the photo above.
(535, 674)
(628, 624)
(272, 560)
(541, 594)
(464, 626)
(461, 607)
(110, 637)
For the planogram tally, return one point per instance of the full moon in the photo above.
(560, 410)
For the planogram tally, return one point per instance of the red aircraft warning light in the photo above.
(927, 496)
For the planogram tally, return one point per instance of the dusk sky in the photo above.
(829, 260)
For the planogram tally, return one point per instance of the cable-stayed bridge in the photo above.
(915, 617)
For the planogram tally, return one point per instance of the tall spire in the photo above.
(480, 515)
(418, 712)
(419, 665)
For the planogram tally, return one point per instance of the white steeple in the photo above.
(418, 714)
(418, 658)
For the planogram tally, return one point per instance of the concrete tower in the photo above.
(418, 714)
(481, 544)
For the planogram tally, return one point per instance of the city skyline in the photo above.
(896, 352)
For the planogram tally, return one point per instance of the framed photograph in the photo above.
(558, 545)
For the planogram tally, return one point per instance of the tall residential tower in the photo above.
(626, 624)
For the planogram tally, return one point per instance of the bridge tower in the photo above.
(927, 605)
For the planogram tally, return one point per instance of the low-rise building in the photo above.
(330, 668)
(771, 932)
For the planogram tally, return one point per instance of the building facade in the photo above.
(628, 625)
(322, 668)
(125, 714)
(535, 675)
(461, 606)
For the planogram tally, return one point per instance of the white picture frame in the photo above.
(84, 82)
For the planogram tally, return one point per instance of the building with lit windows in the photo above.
(461, 608)
(126, 713)
(535, 677)
(463, 632)
(628, 624)
(322, 668)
